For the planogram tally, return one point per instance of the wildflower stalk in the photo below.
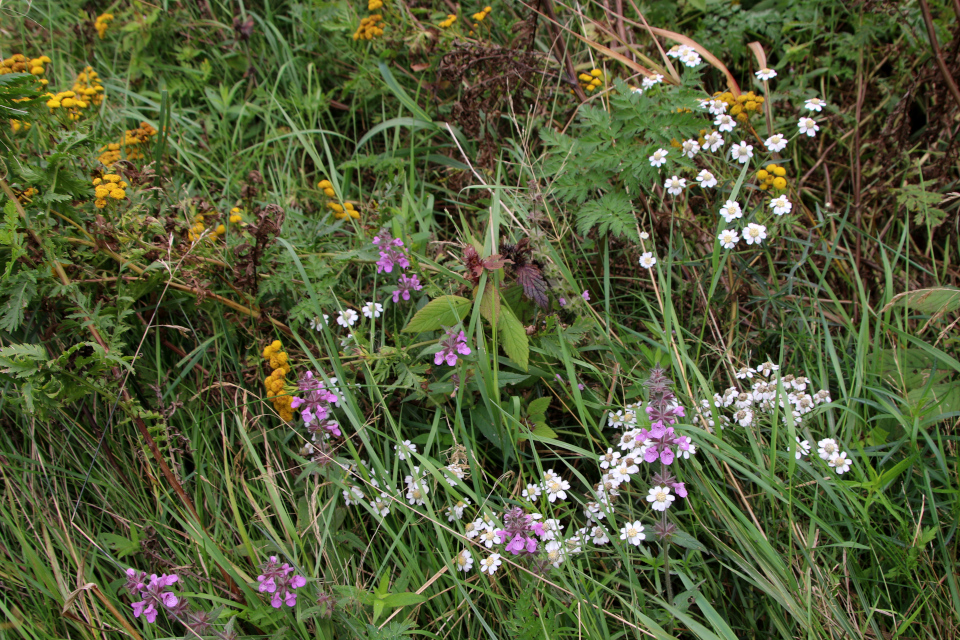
(666, 546)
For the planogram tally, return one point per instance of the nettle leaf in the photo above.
(538, 408)
(513, 338)
(439, 312)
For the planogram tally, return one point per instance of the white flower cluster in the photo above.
(685, 54)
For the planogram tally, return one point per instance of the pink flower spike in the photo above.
(666, 456)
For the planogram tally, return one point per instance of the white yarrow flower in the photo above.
(660, 498)
(803, 448)
(464, 560)
(766, 74)
(405, 450)
(840, 462)
(815, 104)
(725, 123)
(633, 533)
(731, 211)
(347, 318)
(754, 233)
(781, 205)
(712, 141)
(674, 185)
(706, 179)
(776, 143)
(650, 81)
(372, 310)
(317, 324)
(532, 492)
(644, 235)
(690, 148)
(716, 107)
(741, 152)
(556, 488)
(808, 126)
(599, 535)
(827, 448)
(691, 58)
(728, 238)
(490, 564)
(647, 260)
(658, 158)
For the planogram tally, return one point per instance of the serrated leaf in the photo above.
(513, 338)
(541, 430)
(538, 407)
(19, 291)
(439, 312)
(22, 360)
(490, 304)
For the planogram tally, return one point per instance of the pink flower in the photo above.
(585, 295)
(454, 343)
(405, 285)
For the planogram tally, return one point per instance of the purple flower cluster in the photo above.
(519, 530)
(317, 402)
(153, 595)
(455, 343)
(405, 285)
(279, 580)
(660, 441)
(392, 253)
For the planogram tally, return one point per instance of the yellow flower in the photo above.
(118, 194)
(779, 183)
(221, 229)
(100, 203)
(101, 192)
(235, 219)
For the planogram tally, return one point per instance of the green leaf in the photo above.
(936, 301)
(439, 312)
(22, 360)
(541, 430)
(18, 291)
(405, 599)
(513, 338)
(538, 407)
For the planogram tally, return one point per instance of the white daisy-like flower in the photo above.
(822, 396)
(706, 179)
(776, 143)
(658, 158)
(555, 553)
(674, 185)
(456, 473)
(660, 498)
(678, 50)
(745, 373)
(728, 238)
(372, 310)
(743, 417)
(317, 324)
(489, 537)
(731, 211)
(815, 104)
(551, 529)
(652, 80)
(808, 126)
(549, 475)
(352, 495)
(725, 123)
(417, 494)
(712, 141)
(803, 448)
(647, 260)
(767, 368)
(599, 535)
(464, 560)
(405, 450)
(827, 448)
(556, 489)
(347, 318)
(609, 459)
(532, 492)
(743, 400)
(716, 107)
(474, 529)
(633, 533)
(741, 152)
(840, 462)
(691, 58)
(381, 505)
(781, 205)
(690, 148)
(628, 440)
(766, 74)
(754, 233)
(490, 564)
(644, 235)
(455, 512)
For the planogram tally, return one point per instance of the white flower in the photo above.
(821, 396)
(633, 533)
(532, 492)
(741, 152)
(473, 529)
(815, 104)
(690, 58)
(716, 107)
(628, 440)
(725, 123)
(658, 158)
(808, 126)
(347, 318)
(650, 81)
(464, 560)
(766, 74)
(691, 148)
(489, 538)
(556, 489)
(803, 448)
(744, 373)
(372, 310)
(776, 143)
(609, 459)
(706, 179)
(712, 141)
(674, 185)
(551, 529)
(417, 493)
(781, 205)
(827, 448)
(352, 495)
(456, 473)
(678, 50)
(644, 235)
(316, 323)
(381, 505)
(636, 90)
(840, 462)
(767, 368)
(405, 450)
(490, 564)
(731, 211)
(728, 238)
(660, 497)
(456, 511)
(599, 535)
(743, 417)
(647, 260)
(555, 553)
(754, 233)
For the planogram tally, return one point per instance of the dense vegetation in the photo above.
(387, 318)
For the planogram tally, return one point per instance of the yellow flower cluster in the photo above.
(480, 16)
(132, 141)
(25, 196)
(373, 5)
(236, 215)
(102, 24)
(742, 106)
(109, 186)
(773, 176)
(448, 22)
(340, 212)
(195, 232)
(18, 125)
(592, 81)
(19, 63)
(370, 27)
(86, 90)
(280, 366)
